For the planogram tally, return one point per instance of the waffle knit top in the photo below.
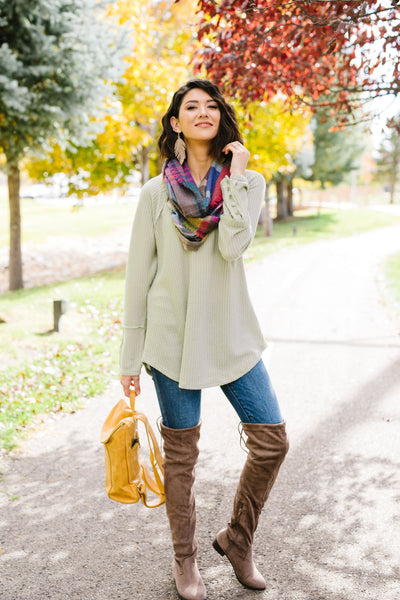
(188, 314)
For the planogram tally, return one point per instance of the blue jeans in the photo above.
(252, 396)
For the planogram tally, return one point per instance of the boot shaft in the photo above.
(268, 446)
(180, 457)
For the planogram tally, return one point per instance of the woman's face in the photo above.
(199, 117)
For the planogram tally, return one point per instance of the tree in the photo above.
(276, 138)
(322, 53)
(337, 150)
(55, 59)
(388, 161)
(302, 168)
(163, 41)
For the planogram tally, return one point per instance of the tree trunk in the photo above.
(144, 164)
(281, 207)
(15, 263)
(301, 198)
(267, 221)
(392, 185)
(289, 197)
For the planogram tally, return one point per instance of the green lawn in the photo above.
(392, 273)
(42, 372)
(310, 226)
(40, 221)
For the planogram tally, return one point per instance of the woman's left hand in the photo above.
(129, 381)
(240, 157)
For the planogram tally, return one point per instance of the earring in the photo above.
(180, 149)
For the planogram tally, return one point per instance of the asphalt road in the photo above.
(331, 528)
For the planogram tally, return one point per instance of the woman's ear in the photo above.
(175, 125)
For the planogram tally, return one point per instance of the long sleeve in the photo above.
(243, 196)
(140, 272)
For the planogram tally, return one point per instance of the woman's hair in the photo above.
(228, 127)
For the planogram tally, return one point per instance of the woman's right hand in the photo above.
(240, 157)
(128, 381)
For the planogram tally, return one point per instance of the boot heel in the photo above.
(218, 548)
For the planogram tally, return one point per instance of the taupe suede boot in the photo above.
(181, 452)
(267, 445)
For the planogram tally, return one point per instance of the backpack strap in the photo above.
(155, 485)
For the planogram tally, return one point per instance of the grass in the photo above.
(309, 226)
(42, 220)
(44, 372)
(392, 274)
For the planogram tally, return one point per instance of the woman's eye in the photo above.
(212, 106)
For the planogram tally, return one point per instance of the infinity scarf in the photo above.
(193, 215)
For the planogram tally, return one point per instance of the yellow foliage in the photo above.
(163, 39)
(274, 135)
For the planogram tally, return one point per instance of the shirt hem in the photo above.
(202, 384)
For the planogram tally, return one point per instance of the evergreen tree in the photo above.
(56, 57)
(336, 150)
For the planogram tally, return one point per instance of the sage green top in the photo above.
(188, 313)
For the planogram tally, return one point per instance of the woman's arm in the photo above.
(140, 271)
(243, 196)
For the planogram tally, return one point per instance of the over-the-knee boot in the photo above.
(181, 453)
(267, 445)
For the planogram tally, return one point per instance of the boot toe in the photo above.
(253, 581)
(243, 566)
(188, 581)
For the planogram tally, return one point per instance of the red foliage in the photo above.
(309, 49)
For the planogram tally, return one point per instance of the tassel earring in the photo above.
(180, 149)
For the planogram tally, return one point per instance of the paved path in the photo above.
(331, 528)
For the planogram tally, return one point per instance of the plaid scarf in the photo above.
(193, 215)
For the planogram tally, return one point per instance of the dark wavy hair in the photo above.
(228, 128)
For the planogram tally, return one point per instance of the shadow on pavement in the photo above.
(327, 532)
(330, 529)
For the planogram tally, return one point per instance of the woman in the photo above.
(189, 319)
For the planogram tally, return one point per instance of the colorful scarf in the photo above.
(193, 215)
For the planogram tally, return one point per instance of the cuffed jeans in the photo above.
(252, 396)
